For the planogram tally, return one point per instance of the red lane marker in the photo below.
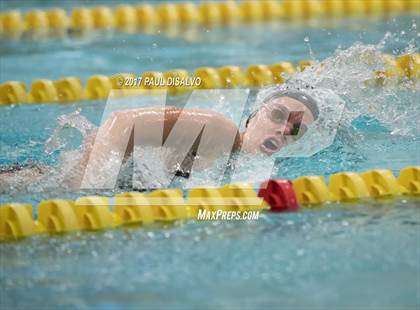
(280, 195)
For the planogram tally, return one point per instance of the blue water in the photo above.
(343, 256)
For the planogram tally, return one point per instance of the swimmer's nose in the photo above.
(284, 130)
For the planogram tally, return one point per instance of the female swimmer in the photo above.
(282, 118)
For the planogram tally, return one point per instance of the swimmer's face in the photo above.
(277, 124)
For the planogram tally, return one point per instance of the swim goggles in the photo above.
(281, 114)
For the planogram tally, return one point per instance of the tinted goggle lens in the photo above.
(279, 115)
(298, 131)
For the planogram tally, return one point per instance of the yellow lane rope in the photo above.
(168, 205)
(166, 15)
(71, 89)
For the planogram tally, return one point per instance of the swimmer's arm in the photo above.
(116, 137)
(219, 135)
(183, 127)
(108, 142)
(142, 127)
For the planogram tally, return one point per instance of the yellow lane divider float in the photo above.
(169, 205)
(145, 16)
(71, 89)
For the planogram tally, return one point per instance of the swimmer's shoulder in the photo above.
(171, 114)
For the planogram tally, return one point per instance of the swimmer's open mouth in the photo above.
(270, 146)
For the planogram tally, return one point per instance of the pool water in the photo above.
(341, 256)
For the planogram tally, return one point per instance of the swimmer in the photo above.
(282, 118)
